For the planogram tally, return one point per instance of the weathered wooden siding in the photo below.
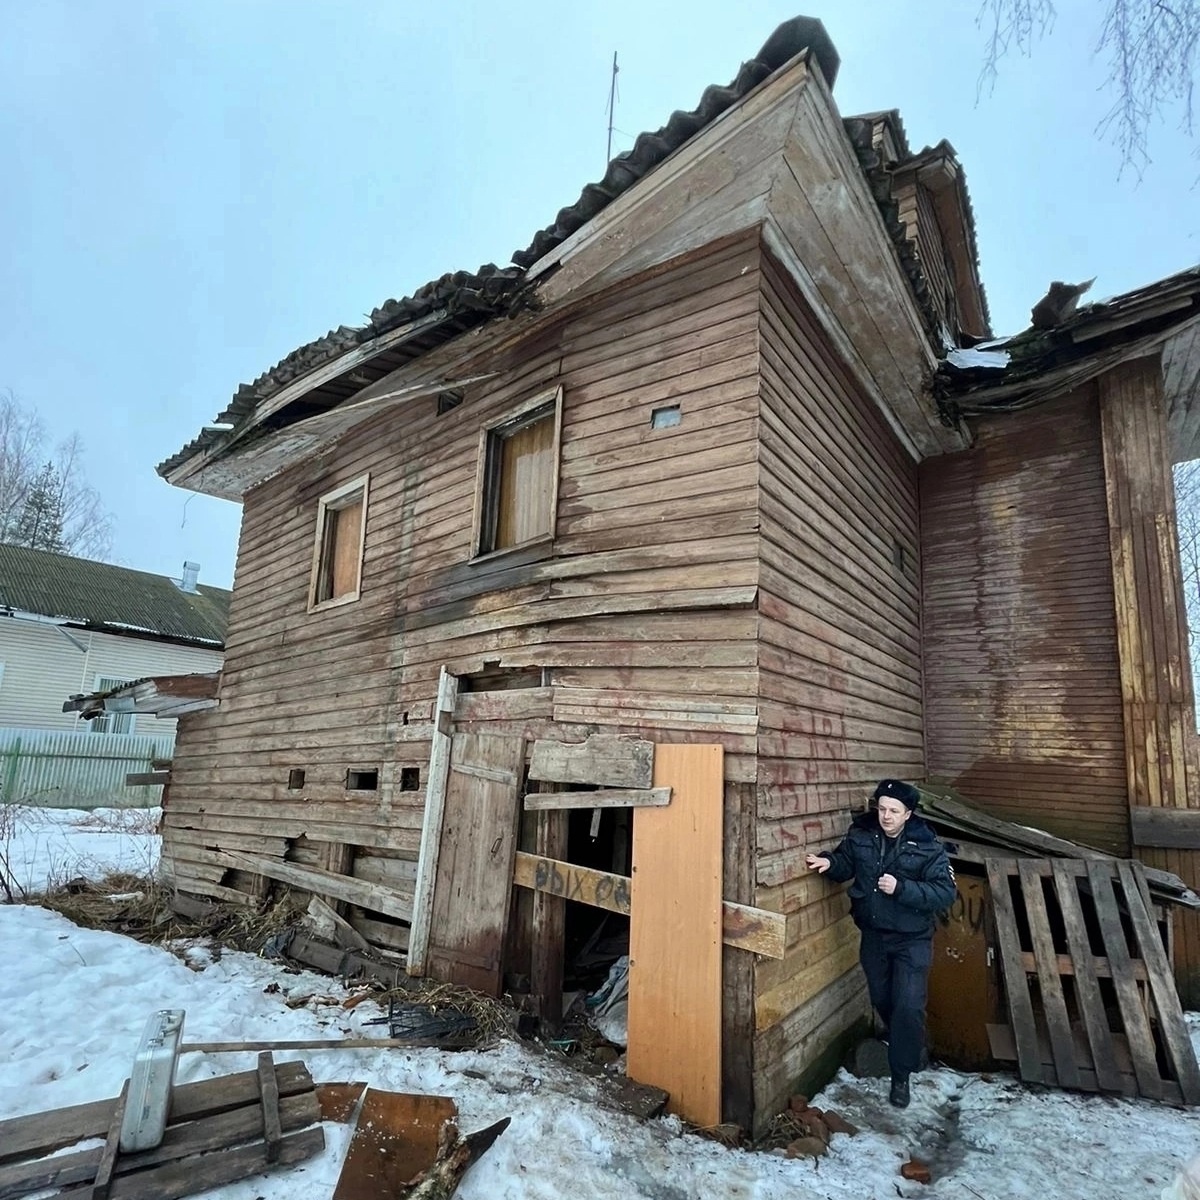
(1022, 688)
(1151, 625)
(840, 669)
(641, 613)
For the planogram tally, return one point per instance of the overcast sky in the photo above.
(191, 191)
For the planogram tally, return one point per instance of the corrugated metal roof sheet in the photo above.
(109, 598)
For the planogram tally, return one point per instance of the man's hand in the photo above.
(817, 862)
(887, 884)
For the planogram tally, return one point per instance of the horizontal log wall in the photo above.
(839, 664)
(640, 614)
(1022, 687)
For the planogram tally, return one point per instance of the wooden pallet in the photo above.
(1087, 978)
(218, 1131)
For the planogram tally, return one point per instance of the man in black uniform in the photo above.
(902, 877)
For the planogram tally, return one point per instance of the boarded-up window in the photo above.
(337, 558)
(520, 478)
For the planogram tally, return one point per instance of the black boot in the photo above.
(899, 1094)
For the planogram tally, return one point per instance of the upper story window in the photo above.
(338, 553)
(518, 478)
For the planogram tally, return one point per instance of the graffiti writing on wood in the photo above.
(578, 883)
(966, 910)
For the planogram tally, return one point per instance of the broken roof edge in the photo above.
(494, 291)
(166, 696)
(1045, 363)
(881, 145)
(945, 153)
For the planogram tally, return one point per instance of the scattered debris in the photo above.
(219, 1131)
(807, 1147)
(396, 1139)
(1058, 303)
(916, 1170)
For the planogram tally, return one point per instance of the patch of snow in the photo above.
(74, 1002)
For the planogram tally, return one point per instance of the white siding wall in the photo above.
(41, 668)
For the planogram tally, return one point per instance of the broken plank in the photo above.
(600, 889)
(188, 1175)
(269, 1098)
(326, 883)
(1054, 1005)
(1162, 987)
(745, 928)
(1133, 1016)
(199, 1136)
(1168, 828)
(603, 759)
(754, 929)
(431, 826)
(44, 1132)
(147, 778)
(102, 1181)
(1084, 966)
(1020, 1004)
(603, 798)
(360, 1043)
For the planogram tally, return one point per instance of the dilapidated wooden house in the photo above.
(693, 471)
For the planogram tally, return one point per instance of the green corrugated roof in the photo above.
(100, 596)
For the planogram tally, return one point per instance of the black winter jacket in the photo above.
(916, 858)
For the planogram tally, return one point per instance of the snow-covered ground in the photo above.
(73, 1003)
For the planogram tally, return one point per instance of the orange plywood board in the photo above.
(675, 935)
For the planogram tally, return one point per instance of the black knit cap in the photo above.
(899, 790)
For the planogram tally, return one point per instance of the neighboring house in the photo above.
(70, 626)
(681, 474)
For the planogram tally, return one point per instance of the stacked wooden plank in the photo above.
(218, 1131)
(987, 833)
(1091, 998)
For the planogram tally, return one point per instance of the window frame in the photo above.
(101, 724)
(339, 498)
(487, 483)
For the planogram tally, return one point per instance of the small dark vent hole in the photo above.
(361, 780)
(447, 401)
(410, 779)
(295, 779)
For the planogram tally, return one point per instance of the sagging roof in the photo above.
(346, 360)
(1010, 374)
(166, 696)
(109, 599)
(881, 145)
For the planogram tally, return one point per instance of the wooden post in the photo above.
(431, 825)
(549, 921)
(1152, 635)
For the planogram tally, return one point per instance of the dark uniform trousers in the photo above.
(897, 969)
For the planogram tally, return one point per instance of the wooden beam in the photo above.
(371, 896)
(431, 826)
(619, 762)
(605, 798)
(147, 778)
(1168, 828)
(743, 927)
